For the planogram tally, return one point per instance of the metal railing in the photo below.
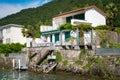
(108, 51)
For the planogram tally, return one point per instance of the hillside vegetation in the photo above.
(44, 14)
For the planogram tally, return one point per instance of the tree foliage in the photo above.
(102, 27)
(11, 48)
(67, 26)
(111, 12)
(83, 27)
(45, 12)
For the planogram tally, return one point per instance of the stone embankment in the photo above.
(6, 63)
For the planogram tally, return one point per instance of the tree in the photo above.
(27, 31)
(111, 12)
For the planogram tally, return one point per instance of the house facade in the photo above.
(11, 33)
(88, 15)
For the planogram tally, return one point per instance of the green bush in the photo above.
(84, 27)
(11, 48)
(58, 56)
(67, 26)
(65, 62)
(78, 62)
(113, 44)
(102, 27)
(82, 53)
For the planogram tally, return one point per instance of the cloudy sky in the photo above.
(8, 7)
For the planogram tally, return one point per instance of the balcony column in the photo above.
(77, 38)
(53, 38)
(61, 33)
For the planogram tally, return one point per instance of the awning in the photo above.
(52, 32)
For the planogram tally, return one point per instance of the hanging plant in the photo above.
(84, 27)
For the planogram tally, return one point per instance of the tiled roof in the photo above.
(80, 9)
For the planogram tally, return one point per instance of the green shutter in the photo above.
(67, 35)
(56, 37)
(50, 38)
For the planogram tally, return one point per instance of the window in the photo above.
(80, 16)
(77, 16)
(67, 35)
(56, 37)
(8, 40)
(68, 19)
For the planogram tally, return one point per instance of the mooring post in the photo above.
(19, 64)
(13, 61)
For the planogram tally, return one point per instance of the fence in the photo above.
(108, 51)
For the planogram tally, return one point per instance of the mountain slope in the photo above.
(44, 14)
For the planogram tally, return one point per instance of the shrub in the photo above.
(102, 27)
(11, 48)
(113, 44)
(58, 56)
(65, 62)
(67, 26)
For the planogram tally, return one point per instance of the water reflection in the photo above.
(15, 75)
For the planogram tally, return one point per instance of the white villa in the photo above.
(87, 15)
(11, 33)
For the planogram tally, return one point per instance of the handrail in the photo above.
(50, 48)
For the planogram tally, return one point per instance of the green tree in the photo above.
(99, 4)
(27, 31)
(111, 12)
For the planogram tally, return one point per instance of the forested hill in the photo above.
(44, 14)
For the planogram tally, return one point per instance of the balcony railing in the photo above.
(77, 21)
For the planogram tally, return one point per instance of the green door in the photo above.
(56, 37)
(67, 35)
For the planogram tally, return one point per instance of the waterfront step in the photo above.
(43, 56)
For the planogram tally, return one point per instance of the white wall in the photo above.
(94, 17)
(57, 22)
(15, 35)
(45, 28)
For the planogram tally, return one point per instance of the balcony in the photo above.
(77, 21)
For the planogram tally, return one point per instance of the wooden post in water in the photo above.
(13, 61)
(19, 64)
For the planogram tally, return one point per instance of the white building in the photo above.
(87, 15)
(11, 33)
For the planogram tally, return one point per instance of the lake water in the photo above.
(15, 75)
